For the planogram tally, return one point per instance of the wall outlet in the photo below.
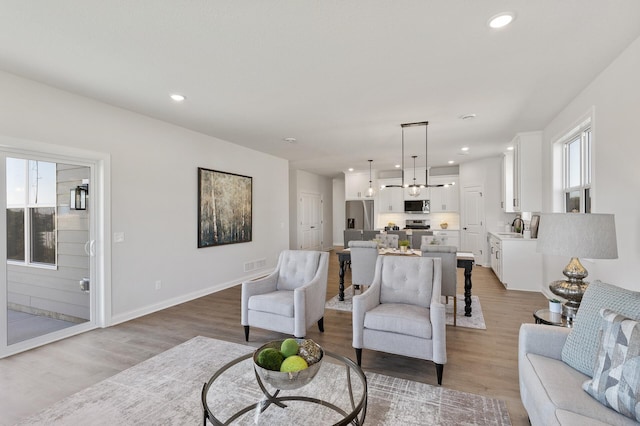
(158, 285)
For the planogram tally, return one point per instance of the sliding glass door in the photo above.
(48, 263)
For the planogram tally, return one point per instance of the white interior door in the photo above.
(473, 228)
(48, 278)
(310, 221)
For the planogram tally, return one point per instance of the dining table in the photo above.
(465, 260)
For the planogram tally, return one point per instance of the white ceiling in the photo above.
(339, 76)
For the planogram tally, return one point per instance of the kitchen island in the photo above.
(515, 261)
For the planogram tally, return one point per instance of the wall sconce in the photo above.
(78, 197)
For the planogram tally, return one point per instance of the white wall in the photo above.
(615, 97)
(154, 193)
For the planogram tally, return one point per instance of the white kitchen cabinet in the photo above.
(390, 200)
(516, 263)
(527, 172)
(506, 201)
(446, 198)
(356, 185)
(494, 253)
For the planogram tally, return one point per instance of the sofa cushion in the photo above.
(581, 347)
(616, 378)
(399, 319)
(555, 391)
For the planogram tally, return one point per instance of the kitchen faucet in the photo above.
(518, 225)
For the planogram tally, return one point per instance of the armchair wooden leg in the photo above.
(359, 355)
(246, 333)
(321, 324)
(439, 368)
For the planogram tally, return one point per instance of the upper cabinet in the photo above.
(446, 198)
(390, 200)
(527, 172)
(356, 185)
(506, 201)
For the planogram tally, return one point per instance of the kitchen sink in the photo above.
(509, 235)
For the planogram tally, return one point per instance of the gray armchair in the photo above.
(388, 240)
(449, 271)
(291, 298)
(401, 313)
(363, 262)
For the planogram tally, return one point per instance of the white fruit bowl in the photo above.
(286, 381)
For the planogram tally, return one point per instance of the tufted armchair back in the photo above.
(388, 240)
(406, 280)
(296, 267)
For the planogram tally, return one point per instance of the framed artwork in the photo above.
(535, 222)
(224, 208)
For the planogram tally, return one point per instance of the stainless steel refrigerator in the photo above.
(359, 214)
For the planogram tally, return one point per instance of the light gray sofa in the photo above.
(555, 362)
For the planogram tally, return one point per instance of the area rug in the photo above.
(165, 390)
(476, 320)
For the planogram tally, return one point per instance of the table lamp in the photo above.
(576, 235)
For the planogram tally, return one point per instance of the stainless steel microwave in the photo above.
(416, 206)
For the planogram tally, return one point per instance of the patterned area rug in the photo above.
(166, 390)
(475, 321)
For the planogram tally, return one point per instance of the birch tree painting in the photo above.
(224, 215)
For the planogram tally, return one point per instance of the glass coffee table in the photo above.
(337, 395)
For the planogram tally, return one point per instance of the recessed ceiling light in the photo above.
(509, 148)
(290, 140)
(501, 20)
(350, 169)
(450, 161)
(464, 148)
(467, 116)
(177, 97)
(397, 166)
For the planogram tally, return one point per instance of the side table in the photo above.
(545, 316)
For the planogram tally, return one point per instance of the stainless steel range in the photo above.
(417, 224)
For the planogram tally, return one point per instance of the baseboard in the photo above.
(146, 310)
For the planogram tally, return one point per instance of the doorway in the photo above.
(473, 228)
(50, 285)
(310, 221)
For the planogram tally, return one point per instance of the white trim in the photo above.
(149, 309)
(557, 158)
(100, 231)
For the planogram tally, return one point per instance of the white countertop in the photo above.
(511, 236)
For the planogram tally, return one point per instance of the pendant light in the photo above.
(370, 192)
(414, 189)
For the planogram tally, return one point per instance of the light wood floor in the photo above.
(483, 362)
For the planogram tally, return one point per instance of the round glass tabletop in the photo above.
(337, 395)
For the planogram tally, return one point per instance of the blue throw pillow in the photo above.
(581, 348)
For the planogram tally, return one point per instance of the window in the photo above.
(577, 170)
(31, 212)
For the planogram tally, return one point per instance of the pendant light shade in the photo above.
(414, 189)
(370, 192)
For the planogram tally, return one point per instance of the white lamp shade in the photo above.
(590, 235)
